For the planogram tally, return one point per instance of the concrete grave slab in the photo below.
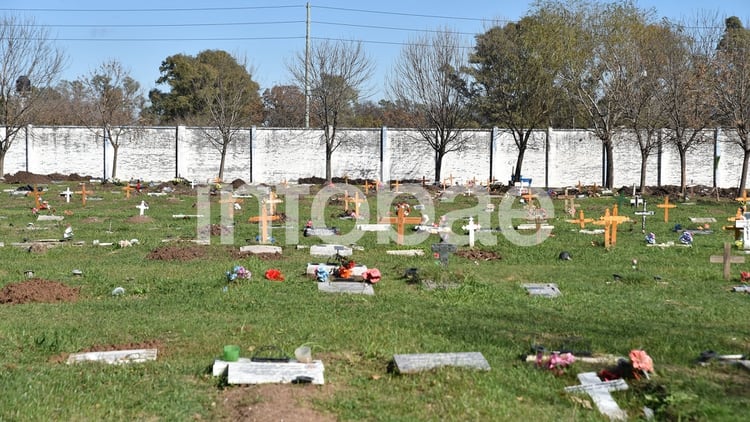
(114, 356)
(701, 220)
(410, 364)
(157, 194)
(258, 249)
(245, 371)
(330, 250)
(320, 231)
(350, 287)
(542, 289)
(406, 252)
(50, 218)
(373, 227)
(533, 226)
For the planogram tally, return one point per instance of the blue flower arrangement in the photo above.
(238, 272)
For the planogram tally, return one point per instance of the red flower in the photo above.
(641, 362)
(372, 275)
(274, 275)
(744, 276)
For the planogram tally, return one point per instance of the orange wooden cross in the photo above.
(528, 196)
(367, 187)
(400, 220)
(744, 198)
(449, 178)
(666, 206)
(83, 192)
(356, 200)
(581, 221)
(610, 223)
(272, 201)
(737, 216)
(264, 219)
(127, 190)
(37, 197)
(396, 185)
(737, 230)
(579, 186)
(377, 185)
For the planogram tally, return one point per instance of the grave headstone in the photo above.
(260, 249)
(114, 356)
(542, 289)
(374, 227)
(330, 250)
(406, 252)
(443, 250)
(320, 231)
(245, 371)
(350, 287)
(413, 363)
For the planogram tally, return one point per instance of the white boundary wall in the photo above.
(554, 158)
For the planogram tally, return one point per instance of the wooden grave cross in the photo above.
(230, 201)
(581, 221)
(600, 393)
(744, 198)
(67, 193)
(83, 192)
(610, 222)
(449, 178)
(727, 259)
(376, 185)
(37, 197)
(367, 187)
(666, 206)
(264, 219)
(528, 197)
(272, 201)
(396, 185)
(737, 229)
(472, 228)
(400, 220)
(142, 207)
(443, 250)
(357, 201)
(127, 190)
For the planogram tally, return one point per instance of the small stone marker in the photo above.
(50, 218)
(373, 227)
(727, 259)
(666, 206)
(443, 250)
(600, 393)
(351, 287)
(114, 356)
(245, 371)
(67, 193)
(410, 364)
(406, 252)
(260, 249)
(142, 207)
(157, 194)
(542, 289)
(320, 231)
(702, 220)
(472, 228)
(330, 250)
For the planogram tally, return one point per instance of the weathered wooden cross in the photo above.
(272, 201)
(37, 197)
(83, 192)
(367, 187)
(581, 221)
(127, 190)
(727, 259)
(471, 228)
(743, 199)
(400, 220)
(396, 185)
(666, 206)
(356, 200)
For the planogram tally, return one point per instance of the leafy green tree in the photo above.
(211, 90)
(514, 75)
(30, 65)
(732, 87)
(336, 77)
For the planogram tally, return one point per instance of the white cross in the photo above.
(67, 193)
(193, 184)
(142, 207)
(599, 391)
(471, 227)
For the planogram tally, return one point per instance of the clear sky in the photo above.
(267, 33)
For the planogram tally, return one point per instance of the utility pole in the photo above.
(307, 68)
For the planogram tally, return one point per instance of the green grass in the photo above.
(183, 305)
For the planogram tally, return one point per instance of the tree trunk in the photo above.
(223, 159)
(745, 160)
(438, 165)
(609, 154)
(519, 163)
(644, 161)
(2, 162)
(329, 159)
(115, 147)
(683, 170)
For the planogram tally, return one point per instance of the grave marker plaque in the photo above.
(444, 250)
(409, 364)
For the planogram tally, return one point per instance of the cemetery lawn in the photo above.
(673, 304)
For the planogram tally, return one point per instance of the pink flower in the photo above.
(641, 361)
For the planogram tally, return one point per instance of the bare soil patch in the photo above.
(478, 255)
(38, 290)
(139, 219)
(214, 230)
(178, 253)
(272, 402)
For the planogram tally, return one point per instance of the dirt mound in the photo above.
(214, 230)
(178, 253)
(38, 290)
(27, 177)
(270, 402)
(478, 255)
(139, 219)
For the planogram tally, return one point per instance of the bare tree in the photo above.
(113, 103)
(687, 97)
(428, 75)
(336, 75)
(732, 86)
(29, 63)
